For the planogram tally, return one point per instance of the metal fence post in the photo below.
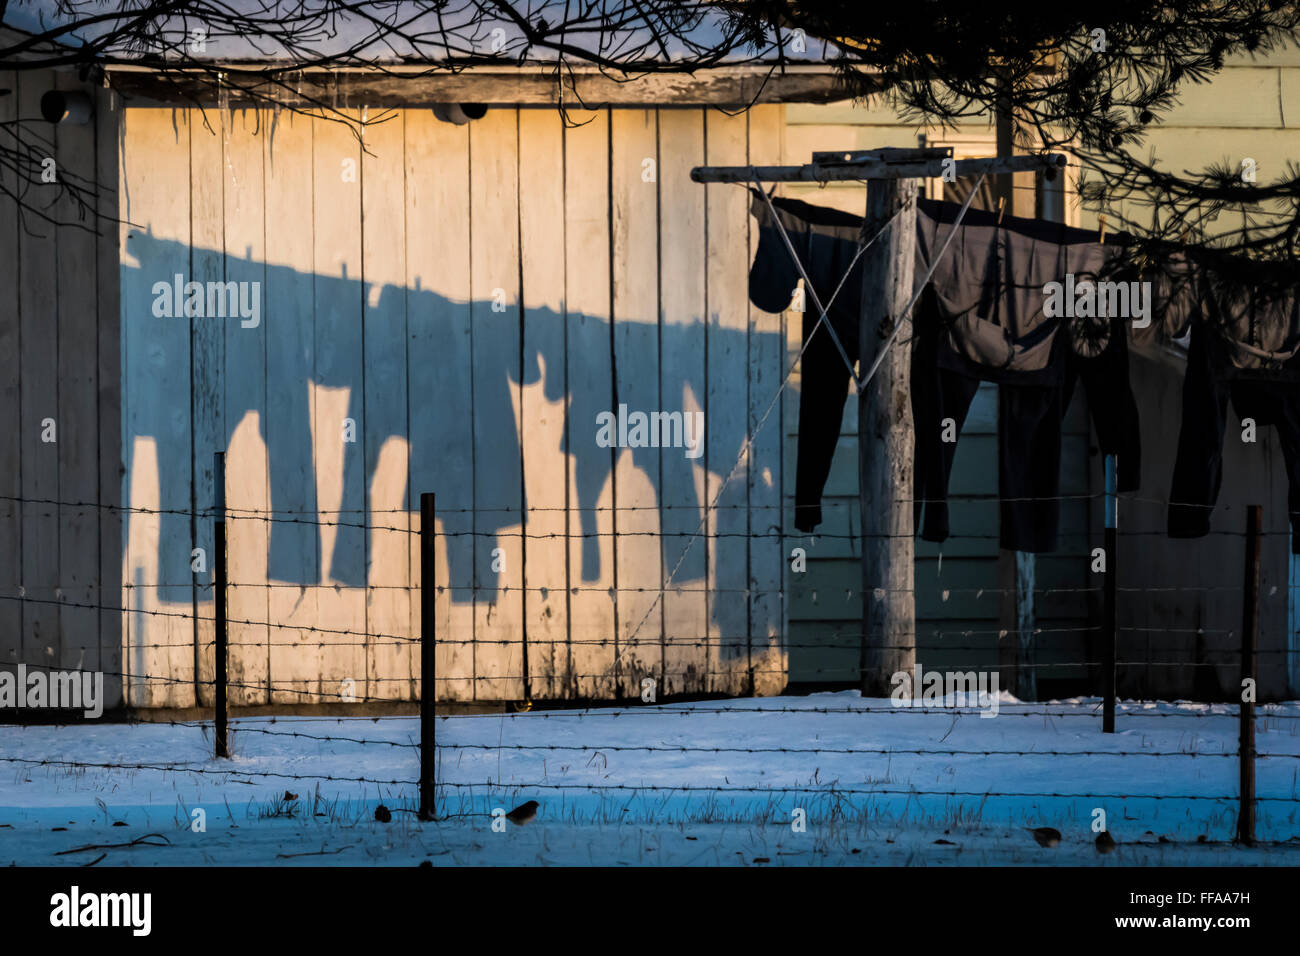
(428, 668)
(219, 577)
(1249, 630)
(1110, 587)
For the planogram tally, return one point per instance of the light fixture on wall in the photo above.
(459, 113)
(70, 107)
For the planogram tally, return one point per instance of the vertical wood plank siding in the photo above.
(448, 309)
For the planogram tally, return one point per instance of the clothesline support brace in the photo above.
(885, 440)
(884, 164)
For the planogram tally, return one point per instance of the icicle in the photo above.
(223, 110)
(275, 124)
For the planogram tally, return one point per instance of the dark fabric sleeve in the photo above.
(824, 382)
(828, 256)
(1111, 405)
(1198, 467)
(937, 394)
(824, 386)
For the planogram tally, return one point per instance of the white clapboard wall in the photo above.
(447, 309)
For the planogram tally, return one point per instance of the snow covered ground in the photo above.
(703, 783)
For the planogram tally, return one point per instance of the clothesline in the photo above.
(986, 319)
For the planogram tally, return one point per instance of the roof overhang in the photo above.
(494, 85)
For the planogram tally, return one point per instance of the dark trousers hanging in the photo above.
(1270, 398)
(1029, 458)
(1029, 438)
(1029, 466)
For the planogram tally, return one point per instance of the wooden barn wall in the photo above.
(446, 309)
(60, 541)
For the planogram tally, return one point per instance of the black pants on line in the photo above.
(1029, 437)
(1029, 453)
(1268, 398)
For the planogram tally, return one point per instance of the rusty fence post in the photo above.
(1249, 632)
(428, 665)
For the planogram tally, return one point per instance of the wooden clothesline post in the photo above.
(885, 437)
(885, 446)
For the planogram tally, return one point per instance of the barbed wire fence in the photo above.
(442, 740)
(1105, 666)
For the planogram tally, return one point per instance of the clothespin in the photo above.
(1102, 240)
(1002, 201)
